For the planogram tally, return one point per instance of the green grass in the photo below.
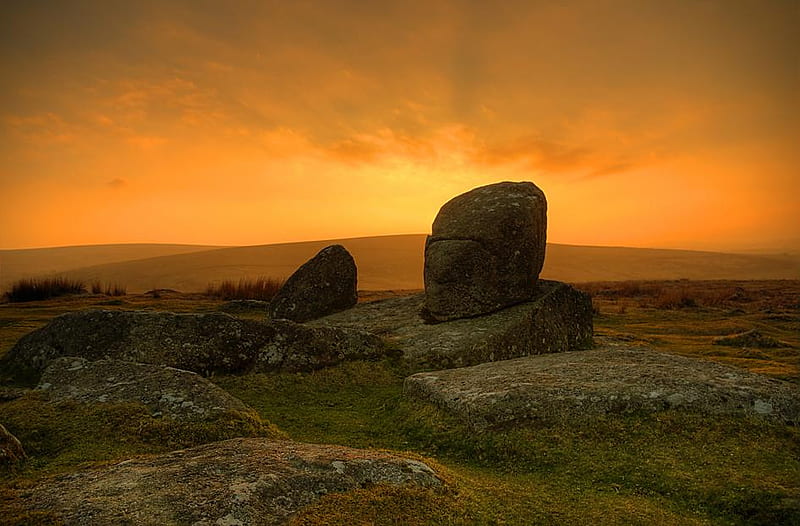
(665, 468)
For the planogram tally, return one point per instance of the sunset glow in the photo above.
(651, 124)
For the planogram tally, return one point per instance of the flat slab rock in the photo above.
(558, 318)
(202, 343)
(581, 385)
(244, 481)
(166, 391)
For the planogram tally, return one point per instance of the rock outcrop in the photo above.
(234, 482)
(323, 285)
(11, 452)
(485, 251)
(558, 318)
(202, 343)
(578, 386)
(165, 391)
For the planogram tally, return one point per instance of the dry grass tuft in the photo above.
(111, 289)
(44, 288)
(261, 288)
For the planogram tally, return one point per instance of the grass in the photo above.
(39, 289)
(664, 468)
(261, 288)
(649, 313)
(110, 289)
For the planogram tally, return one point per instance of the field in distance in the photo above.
(384, 262)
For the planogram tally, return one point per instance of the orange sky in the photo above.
(659, 124)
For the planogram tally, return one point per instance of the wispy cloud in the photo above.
(117, 183)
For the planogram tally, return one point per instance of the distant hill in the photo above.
(385, 262)
(32, 262)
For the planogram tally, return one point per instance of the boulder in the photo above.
(167, 392)
(202, 343)
(580, 386)
(11, 452)
(557, 318)
(322, 285)
(233, 482)
(485, 251)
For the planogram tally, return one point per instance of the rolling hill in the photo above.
(385, 262)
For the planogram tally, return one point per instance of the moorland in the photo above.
(669, 467)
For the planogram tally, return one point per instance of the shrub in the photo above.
(44, 288)
(261, 288)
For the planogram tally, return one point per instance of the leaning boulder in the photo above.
(580, 386)
(558, 318)
(485, 251)
(233, 482)
(202, 343)
(323, 285)
(11, 452)
(165, 391)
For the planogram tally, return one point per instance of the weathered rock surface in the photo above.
(167, 392)
(11, 452)
(485, 250)
(558, 318)
(581, 385)
(323, 285)
(751, 339)
(202, 343)
(234, 482)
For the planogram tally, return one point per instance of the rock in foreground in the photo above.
(485, 250)
(582, 385)
(202, 343)
(558, 318)
(167, 392)
(234, 482)
(323, 285)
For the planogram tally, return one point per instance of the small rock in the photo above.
(752, 338)
(485, 251)
(11, 452)
(323, 285)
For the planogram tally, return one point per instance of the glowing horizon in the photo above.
(646, 124)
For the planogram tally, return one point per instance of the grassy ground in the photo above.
(668, 468)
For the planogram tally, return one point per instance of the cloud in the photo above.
(117, 183)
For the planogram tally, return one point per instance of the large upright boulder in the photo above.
(485, 251)
(323, 285)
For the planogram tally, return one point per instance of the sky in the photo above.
(646, 123)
